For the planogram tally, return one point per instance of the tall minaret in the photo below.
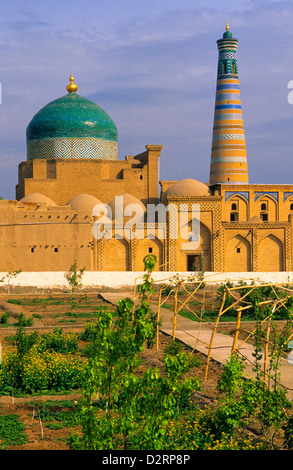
(228, 159)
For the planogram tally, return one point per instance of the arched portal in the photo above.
(195, 252)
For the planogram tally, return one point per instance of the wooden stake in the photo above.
(266, 353)
(238, 321)
(213, 333)
(191, 295)
(158, 317)
(237, 302)
(175, 314)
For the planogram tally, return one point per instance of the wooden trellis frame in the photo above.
(176, 283)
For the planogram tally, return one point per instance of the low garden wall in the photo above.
(118, 280)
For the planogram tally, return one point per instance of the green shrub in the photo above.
(60, 342)
(11, 431)
(4, 318)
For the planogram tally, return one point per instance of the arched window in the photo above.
(234, 206)
(264, 214)
(291, 207)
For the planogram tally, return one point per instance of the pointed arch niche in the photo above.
(238, 254)
(270, 254)
(148, 246)
(116, 255)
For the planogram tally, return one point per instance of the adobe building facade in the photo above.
(72, 168)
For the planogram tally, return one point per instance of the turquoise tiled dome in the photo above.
(71, 115)
(72, 127)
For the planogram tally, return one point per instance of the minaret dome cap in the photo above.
(227, 33)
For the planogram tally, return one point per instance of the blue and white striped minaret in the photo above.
(228, 158)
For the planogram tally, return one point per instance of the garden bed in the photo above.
(49, 417)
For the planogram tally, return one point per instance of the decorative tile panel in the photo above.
(287, 195)
(228, 86)
(228, 137)
(226, 116)
(227, 55)
(72, 148)
(259, 194)
(228, 96)
(244, 194)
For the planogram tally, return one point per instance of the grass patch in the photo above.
(36, 301)
(81, 314)
(67, 322)
(207, 316)
(15, 301)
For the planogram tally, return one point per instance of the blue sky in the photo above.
(152, 66)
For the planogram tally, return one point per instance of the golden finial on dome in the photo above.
(227, 26)
(71, 87)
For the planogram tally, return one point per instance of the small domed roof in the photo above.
(83, 202)
(188, 187)
(38, 199)
(227, 35)
(127, 200)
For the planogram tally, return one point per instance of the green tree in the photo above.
(261, 397)
(9, 276)
(74, 277)
(120, 408)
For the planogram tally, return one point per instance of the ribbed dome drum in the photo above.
(72, 127)
(228, 159)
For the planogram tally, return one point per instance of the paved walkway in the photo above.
(198, 336)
